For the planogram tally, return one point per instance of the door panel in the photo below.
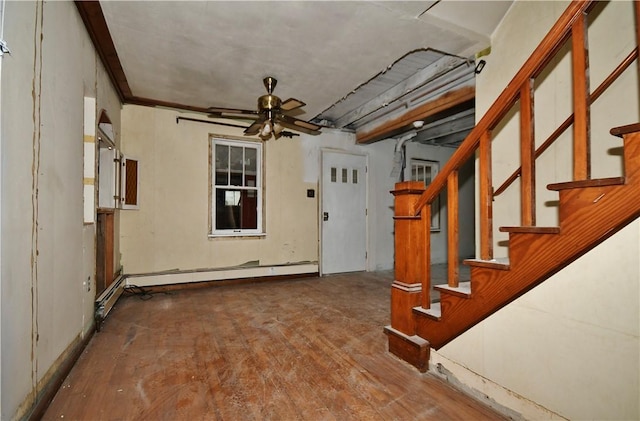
(344, 212)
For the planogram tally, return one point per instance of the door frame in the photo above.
(321, 200)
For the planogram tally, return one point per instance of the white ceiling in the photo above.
(216, 53)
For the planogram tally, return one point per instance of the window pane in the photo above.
(236, 158)
(222, 165)
(235, 179)
(236, 209)
(231, 198)
(344, 175)
(222, 178)
(249, 209)
(334, 174)
(222, 156)
(250, 166)
(354, 180)
(237, 161)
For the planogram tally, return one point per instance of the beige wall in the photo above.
(570, 347)
(48, 254)
(170, 230)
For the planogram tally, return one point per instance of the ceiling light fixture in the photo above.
(271, 117)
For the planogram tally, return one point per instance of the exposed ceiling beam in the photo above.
(439, 68)
(440, 131)
(448, 101)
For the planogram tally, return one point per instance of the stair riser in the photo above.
(632, 157)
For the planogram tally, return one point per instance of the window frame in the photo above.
(435, 205)
(215, 140)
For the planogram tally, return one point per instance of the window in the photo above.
(236, 191)
(426, 171)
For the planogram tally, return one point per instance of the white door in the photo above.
(344, 212)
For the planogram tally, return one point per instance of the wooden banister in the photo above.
(453, 225)
(545, 51)
(615, 74)
(486, 198)
(581, 135)
(527, 160)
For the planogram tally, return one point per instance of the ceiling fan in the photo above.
(271, 117)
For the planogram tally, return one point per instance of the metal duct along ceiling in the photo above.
(415, 79)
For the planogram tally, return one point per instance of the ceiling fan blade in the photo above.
(299, 125)
(232, 113)
(291, 104)
(254, 129)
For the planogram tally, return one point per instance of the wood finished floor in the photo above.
(308, 349)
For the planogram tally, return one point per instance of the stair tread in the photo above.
(531, 230)
(622, 130)
(463, 289)
(434, 312)
(501, 263)
(596, 182)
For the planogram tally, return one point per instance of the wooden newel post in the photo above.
(411, 258)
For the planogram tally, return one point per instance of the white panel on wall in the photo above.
(107, 181)
(89, 140)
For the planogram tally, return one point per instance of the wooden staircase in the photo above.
(590, 210)
(535, 253)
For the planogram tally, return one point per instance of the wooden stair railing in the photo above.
(416, 324)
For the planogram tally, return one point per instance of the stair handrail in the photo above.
(541, 56)
(593, 97)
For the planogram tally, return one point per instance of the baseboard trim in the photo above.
(499, 398)
(217, 275)
(56, 379)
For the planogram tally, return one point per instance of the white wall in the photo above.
(379, 199)
(47, 253)
(569, 348)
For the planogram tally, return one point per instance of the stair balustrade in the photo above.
(418, 325)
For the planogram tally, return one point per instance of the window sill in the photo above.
(236, 235)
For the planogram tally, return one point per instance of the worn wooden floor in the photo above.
(309, 349)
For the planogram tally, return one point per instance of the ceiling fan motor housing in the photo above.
(269, 102)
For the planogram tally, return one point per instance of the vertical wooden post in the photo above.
(411, 244)
(486, 198)
(423, 235)
(527, 156)
(581, 135)
(453, 229)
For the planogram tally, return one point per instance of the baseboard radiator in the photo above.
(106, 300)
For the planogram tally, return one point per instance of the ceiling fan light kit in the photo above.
(271, 117)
